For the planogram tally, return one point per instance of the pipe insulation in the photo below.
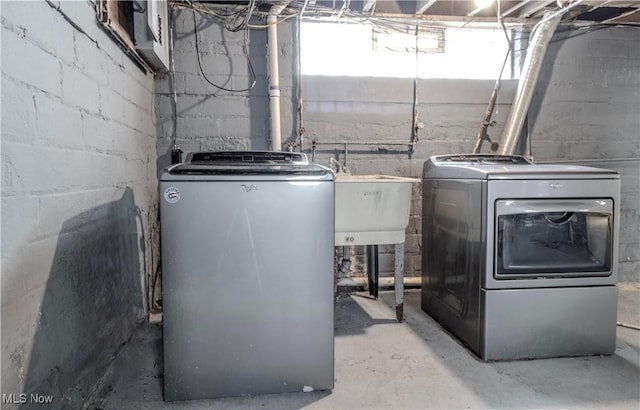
(274, 83)
(541, 36)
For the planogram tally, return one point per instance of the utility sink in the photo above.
(371, 209)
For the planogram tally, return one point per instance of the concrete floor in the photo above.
(381, 364)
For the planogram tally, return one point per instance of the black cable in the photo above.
(172, 72)
(70, 21)
(246, 53)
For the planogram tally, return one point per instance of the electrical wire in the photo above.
(257, 26)
(173, 79)
(245, 49)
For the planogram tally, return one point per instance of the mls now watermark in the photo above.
(24, 398)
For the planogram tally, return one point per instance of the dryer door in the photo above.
(553, 238)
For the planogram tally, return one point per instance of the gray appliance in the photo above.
(247, 264)
(520, 259)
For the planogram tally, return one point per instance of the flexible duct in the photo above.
(538, 45)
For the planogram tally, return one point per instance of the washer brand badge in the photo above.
(172, 195)
(248, 188)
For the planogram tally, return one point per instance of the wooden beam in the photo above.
(423, 5)
(369, 6)
(514, 8)
(534, 7)
(613, 19)
(479, 9)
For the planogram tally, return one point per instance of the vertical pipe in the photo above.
(372, 270)
(274, 84)
(398, 283)
(526, 86)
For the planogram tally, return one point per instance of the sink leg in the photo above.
(372, 270)
(399, 281)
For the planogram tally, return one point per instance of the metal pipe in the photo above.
(384, 281)
(363, 143)
(274, 84)
(541, 36)
(345, 263)
(398, 282)
(372, 270)
(627, 325)
(301, 129)
(346, 157)
(486, 120)
(588, 160)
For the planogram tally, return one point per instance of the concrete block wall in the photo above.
(79, 202)
(212, 119)
(585, 107)
(588, 107)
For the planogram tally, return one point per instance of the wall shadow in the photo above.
(92, 303)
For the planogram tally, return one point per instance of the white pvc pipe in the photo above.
(274, 83)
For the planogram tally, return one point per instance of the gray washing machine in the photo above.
(247, 265)
(520, 260)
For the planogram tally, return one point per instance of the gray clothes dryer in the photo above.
(247, 265)
(520, 260)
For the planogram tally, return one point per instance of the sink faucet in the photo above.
(335, 165)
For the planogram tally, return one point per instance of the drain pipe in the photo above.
(274, 75)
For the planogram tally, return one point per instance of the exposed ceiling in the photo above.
(618, 12)
(465, 11)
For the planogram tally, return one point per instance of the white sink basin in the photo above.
(372, 209)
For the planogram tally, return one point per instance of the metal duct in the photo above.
(540, 38)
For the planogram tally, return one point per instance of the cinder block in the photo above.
(97, 133)
(35, 67)
(136, 118)
(111, 104)
(57, 123)
(18, 214)
(137, 91)
(37, 21)
(55, 209)
(83, 14)
(18, 111)
(414, 222)
(413, 244)
(79, 91)
(416, 264)
(162, 84)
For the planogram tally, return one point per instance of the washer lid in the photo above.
(471, 166)
(246, 158)
(246, 165)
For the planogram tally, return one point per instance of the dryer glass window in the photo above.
(545, 242)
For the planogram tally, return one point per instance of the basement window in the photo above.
(467, 53)
(429, 40)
